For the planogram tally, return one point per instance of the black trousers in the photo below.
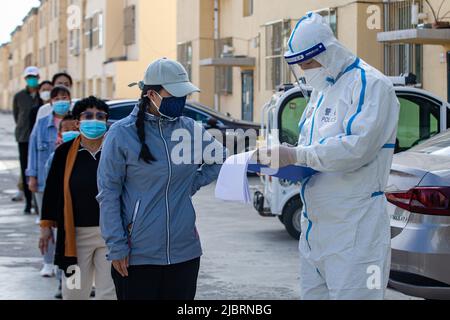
(151, 282)
(23, 157)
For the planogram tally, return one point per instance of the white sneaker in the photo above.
(47, 271)
(38, 220)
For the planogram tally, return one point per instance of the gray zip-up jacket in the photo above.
(146, 211)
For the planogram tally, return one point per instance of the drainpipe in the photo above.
(83, 52)
(216, 39)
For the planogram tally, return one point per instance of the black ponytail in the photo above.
(144, 104)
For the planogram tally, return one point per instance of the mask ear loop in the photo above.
(154, 104)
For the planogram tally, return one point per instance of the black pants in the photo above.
(23, 156)
(150, 282)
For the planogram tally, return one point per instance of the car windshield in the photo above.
(438, 146)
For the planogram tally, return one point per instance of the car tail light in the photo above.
(425, 200)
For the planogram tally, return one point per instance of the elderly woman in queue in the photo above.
(70, 204)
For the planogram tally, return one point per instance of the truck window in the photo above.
(419, 120)
(291, 113)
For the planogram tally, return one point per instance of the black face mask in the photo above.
(172, 107)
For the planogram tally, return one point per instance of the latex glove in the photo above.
(277, 157)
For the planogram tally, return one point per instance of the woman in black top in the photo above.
(70, 204)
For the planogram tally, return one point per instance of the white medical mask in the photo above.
(45, 95)
(317, 78)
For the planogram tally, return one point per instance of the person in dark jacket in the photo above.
(70, 205)
(23, 103)
(145, 189)
(45, 89)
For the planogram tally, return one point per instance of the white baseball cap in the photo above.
(169, 74)
(31, 71)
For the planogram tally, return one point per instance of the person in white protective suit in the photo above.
(348, 134)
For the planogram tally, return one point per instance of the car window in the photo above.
(121, 111)
(418, 121)
(197, 116)
(291, 113)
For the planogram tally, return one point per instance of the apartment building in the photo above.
(234, 49)
(5, 74)
(116, 42)
(103, 44)
(413, 44)
(52, 37)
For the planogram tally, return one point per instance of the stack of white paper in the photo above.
(232, 184)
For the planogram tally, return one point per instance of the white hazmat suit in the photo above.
(348, 134)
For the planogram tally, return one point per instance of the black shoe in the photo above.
(18, 197)
(93, 292)
(58, 294)
(27, 211)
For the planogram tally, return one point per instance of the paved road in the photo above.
(245, 256)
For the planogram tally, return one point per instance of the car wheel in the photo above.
(292, 218)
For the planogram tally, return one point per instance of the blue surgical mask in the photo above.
(171, 107)
(70, 135)
(61, 107)
(93, 129)
(32, 82)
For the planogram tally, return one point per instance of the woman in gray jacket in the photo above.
(146, 179)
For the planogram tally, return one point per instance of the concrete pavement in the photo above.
(245, 256)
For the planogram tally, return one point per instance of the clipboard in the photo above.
(291, 173)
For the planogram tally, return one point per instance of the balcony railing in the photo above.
(398, 14)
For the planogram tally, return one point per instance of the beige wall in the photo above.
(195, 23)
(4, 77)
(155, 38)
(434, 62)
(104, 75)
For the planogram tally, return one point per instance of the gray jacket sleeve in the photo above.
(111, 176)
(214, 155)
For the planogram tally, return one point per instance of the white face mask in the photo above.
(45, 95)
(317, 78)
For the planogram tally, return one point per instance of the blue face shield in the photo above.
(70, 135)
(93, 129)
(172, 107)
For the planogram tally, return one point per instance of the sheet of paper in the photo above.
(232, 184)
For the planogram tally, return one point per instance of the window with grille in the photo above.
(97, 30)
(277, 70)
(29, 60)
(42, 58)
(130, 25)
(55, 8)
(223, 75)
(330, 16)
(402, 58)
(42, 18)
(248, 8)
(50, 49)
(88, 37)
(74, 42)
(185, 56)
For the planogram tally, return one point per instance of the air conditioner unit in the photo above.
(227, 51)
(75, 51)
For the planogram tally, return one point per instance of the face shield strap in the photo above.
(305, 55)
(301, 81)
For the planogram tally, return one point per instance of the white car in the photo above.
(422, 115)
